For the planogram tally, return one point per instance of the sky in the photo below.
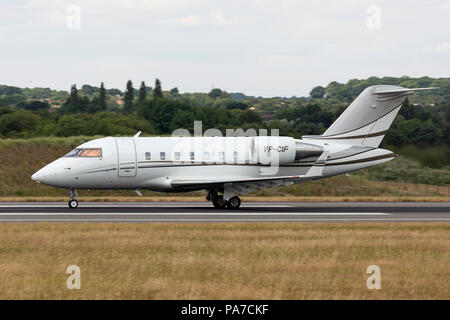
(258, 47)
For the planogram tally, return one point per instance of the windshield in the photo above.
(86, 152)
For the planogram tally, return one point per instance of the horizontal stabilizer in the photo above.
(380, 90)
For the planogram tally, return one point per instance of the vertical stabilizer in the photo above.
(367, 119)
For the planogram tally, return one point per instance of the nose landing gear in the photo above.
(73, 204)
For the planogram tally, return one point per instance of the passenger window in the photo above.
(191, 155)
(221, 155)
(177, 156)
(148, 156)
(235, 155)
(162, 155)
(206, 155)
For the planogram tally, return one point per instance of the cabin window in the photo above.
(235, 155)
(221, 155)
(206, 155)
(177, 156)
(162, 156)
(191, 155)
(148, 156)
(85, 153)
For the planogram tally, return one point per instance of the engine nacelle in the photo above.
(272, 150)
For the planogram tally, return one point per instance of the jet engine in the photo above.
(275, 150)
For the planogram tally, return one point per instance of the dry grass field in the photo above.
(225, 261)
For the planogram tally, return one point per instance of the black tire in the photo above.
(219, 202)
(234, 203)
(73, 204)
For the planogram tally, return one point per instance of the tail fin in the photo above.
(368, 118)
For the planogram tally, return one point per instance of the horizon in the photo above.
(136, 87)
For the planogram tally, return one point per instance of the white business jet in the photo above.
(229, 166)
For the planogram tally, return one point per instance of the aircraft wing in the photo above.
(314, 172)
(194, 182)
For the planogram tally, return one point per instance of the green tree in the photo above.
(33, 105)
(142, 92)
(102, 98)
(17, 123)
(157, 92)
(318, 92)
(72, 103)
(174, 93)
(128, 98)
(236, 105)
(215, 93)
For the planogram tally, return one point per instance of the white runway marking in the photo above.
(224, 213)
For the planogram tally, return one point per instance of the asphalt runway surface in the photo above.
(147, 212)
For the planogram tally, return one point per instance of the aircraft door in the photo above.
(126, 151)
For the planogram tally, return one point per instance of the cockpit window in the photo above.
(74, 153)
(87, 152)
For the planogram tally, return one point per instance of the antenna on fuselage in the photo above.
(137, 134)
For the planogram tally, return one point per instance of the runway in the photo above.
(204, 212)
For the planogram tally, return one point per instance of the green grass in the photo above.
(403, 169)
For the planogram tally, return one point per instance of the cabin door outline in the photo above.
(126, 156)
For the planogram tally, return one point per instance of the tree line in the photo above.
(94, 111)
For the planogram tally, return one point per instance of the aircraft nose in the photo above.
(37, 176)
(44, 175)
(51, 175)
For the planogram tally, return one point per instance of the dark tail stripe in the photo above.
(376, 134)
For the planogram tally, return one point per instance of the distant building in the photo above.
(267, 117)
(53, 108)
(45, 100)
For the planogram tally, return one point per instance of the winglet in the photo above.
(137, 134)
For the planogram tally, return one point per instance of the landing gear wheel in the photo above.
(73, 204)
(219, 202)
(234, 203)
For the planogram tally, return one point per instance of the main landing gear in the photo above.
(73, 204)
(219, 201)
